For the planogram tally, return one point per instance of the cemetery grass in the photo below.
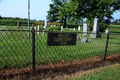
(16, 49)
(110, 72)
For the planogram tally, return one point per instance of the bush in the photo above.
(73, 25)
(53, 28)
(14, 22)
(41, 28)
(102, 26)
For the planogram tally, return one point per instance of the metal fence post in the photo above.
(106, 46)
(33, 48)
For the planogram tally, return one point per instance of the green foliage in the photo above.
(54, 9)
(53, 28)
(57, 11)
(41, 28)
(14, 22)
(0, 17)
(102, 26)
(52, 13)
(74, 25)
(90, 9)
(110, 72)
(75, 11)
(116, 22)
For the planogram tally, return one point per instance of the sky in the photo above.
(38, 9)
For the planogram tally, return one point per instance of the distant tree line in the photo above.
(116, 22)
(10, 21)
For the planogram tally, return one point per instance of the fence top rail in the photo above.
(15, 30)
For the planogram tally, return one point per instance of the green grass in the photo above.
(16, 48)
(114, 28)
(110, 72)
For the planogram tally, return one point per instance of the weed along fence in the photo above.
(17, 52)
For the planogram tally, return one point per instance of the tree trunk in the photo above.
(65, 21)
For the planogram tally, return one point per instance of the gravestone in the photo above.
(43, 32)
(78, 37)
(35, 28)
(38, 29)
(74, 29)
(84, 40)
(71, 29)
(66, 27)
(79, 28)
(18, 25)
(54, 26)
(31, 27)
(107, 31)
(45, 26)
(84, 29)
(62, 28)
(95, 32)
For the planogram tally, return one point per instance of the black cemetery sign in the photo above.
(56, 39)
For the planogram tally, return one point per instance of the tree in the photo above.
(54, 9)
(116, 22)
(90, 9)
(67, 13)
(53, 12)
(63, 13)
(0, 17)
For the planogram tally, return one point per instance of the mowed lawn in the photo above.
(16, 48)
(111, 72)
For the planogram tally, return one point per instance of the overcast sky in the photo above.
(38, 9)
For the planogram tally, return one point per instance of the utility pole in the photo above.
(28, 19)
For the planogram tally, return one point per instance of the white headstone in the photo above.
(84, 40)
(78, 27)
(74, 29)
(78, 37)
(71, 29)
(35, 28)
(96, 26)
(84, 29)
(31, 27)
(81, 28)
(45, 26)
(62, 28)
(38, 29)
(66, 27)
(107, 31)
(43, 32)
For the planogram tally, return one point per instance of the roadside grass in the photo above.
(13, 27)
(114, 28)
(16, 48)
(115, 25)
(111, 72)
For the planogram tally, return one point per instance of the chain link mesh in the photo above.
(16, 48)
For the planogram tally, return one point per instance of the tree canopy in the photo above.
(77, 10)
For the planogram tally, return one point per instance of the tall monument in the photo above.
(95, 32)
(45, 26)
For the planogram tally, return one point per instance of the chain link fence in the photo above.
(17, 52)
